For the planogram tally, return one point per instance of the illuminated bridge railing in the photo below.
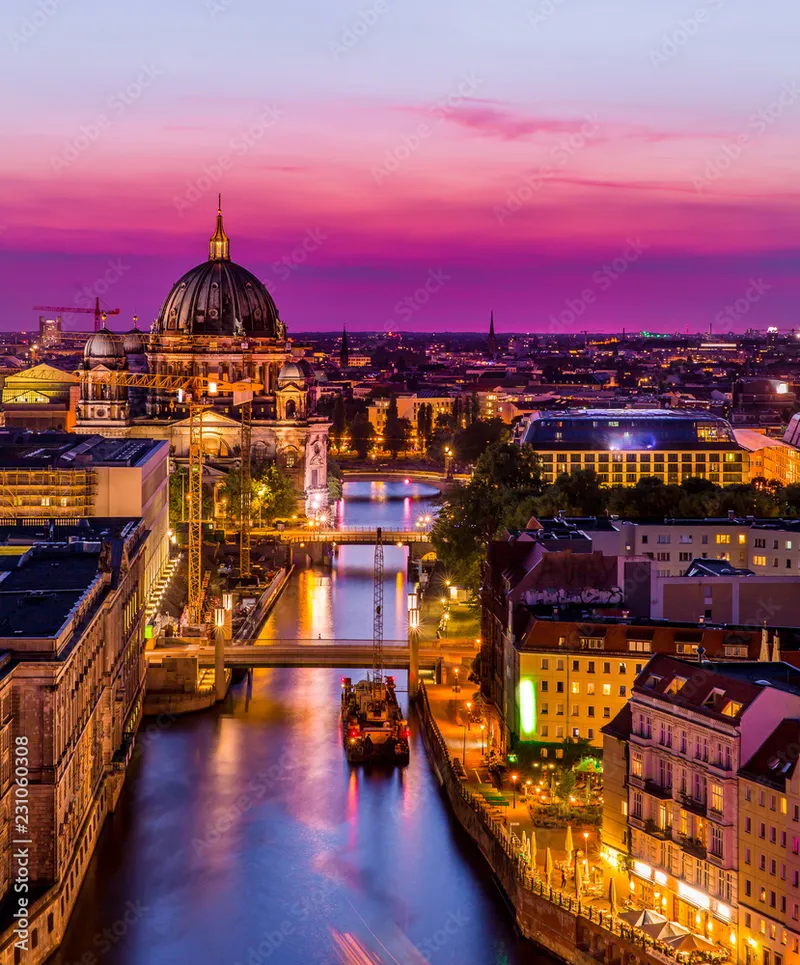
(354, 534)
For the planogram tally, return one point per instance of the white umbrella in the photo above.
(532, 849)
(524, 844)
(776, 648)
(569, 847)
(763, 655)
(548, 866)
(639, 917)
(690, 943)
(612, 896)
(665, 930)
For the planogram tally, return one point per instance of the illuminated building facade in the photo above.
(72, 675)
(623, 445)
(691, 729)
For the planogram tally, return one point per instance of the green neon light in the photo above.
(527, 707)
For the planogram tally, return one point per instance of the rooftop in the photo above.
(23, 449)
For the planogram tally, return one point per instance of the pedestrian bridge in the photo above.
(364, 536)
(347, 654)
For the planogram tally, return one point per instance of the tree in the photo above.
(179, 497)
(272, 493)
(565, 788)
(335, 487)
(396, 435)
(471, 441)
(338, 420)
(362, 433)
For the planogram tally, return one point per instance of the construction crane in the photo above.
(196, 391)
(99, 313)
(377, 615)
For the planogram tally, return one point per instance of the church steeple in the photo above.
(491, 345)
(344, 351)
(219, 247)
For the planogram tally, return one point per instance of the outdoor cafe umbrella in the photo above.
(665, 930)
(639, 917)
(690, 943)
(548, 866)
(524, 845)
(612, 896)
(569, 847)
(532, 849)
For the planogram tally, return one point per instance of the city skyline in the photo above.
(525, 156)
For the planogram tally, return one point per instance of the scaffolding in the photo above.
(46, 493)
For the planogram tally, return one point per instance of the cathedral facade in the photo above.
(218, 321)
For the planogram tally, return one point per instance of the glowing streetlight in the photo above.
(514, 779)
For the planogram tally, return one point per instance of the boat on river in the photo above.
(374, 730)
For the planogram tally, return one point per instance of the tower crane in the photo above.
(99, 313)
(197, 391)
(377, 615)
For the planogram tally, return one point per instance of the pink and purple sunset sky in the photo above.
(513, 149)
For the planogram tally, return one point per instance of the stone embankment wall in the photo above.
(556, 922)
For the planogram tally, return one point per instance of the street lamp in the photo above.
(464, 747)
(469, 709)
(482, 729)
(514, 779)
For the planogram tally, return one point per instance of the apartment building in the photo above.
(573, 678)
(72, 676)
(769, 849)
(693, 726)
(408, 406)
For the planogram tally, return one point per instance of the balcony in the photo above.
(693, 846)
(656, 790)
(693, 805)
(663, 834)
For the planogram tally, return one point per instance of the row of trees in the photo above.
(506, 491)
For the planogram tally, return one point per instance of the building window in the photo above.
(606, 712)
(637, 804)
(716, 841)
(723, 538)
(606, 690)
(759, 561)
(576, 687)
(716, 798)
(623, 691)
(545, 663)
(589, 689)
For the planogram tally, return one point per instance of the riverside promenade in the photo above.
(575, 930)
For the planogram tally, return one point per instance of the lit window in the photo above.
(723, 537)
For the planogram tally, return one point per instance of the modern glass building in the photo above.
(622, 445)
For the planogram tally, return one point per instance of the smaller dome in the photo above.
(291, 372)
(133, 342)
(103, 345)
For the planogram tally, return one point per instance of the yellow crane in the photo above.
(196, 391)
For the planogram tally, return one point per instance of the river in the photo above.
(242, 836)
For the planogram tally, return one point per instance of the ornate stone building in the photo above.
(218, 320)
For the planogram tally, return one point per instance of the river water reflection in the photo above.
(242, 836)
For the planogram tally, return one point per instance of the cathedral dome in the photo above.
(291, 372)
(219, 297)
(103, 345)
(133, 343)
